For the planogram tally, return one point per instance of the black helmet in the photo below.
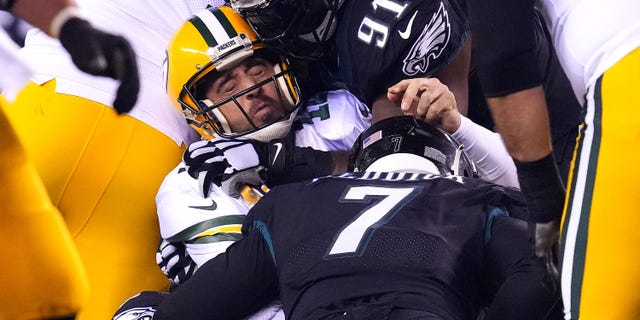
(299, 28)
(408, 135)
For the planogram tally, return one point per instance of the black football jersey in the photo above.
(337, 240)
(349, 247)
(380, 42)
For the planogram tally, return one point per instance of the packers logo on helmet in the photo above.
(211, 42)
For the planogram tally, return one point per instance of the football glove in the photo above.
(103, 54)
(230, 164)
(175, 262)
(547, 242)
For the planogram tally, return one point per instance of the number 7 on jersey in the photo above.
(353, 237)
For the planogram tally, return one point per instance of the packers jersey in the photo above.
(330, 121)
(379, 43)
(408, 240)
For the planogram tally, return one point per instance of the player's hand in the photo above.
(175, 262)
(427, 98)
(547, 243)
(547, 238)
(103, 54)
(229, 164)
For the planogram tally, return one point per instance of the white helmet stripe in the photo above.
(214, 27)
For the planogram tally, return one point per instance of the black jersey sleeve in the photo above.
(504, 41)
(232, 285)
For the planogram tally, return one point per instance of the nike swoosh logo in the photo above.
(407, 32)
(212, 206)
(278, 149)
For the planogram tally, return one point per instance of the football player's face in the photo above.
(261, 104)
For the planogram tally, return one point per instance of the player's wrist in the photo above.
(542, 187)
(297, 164)
(62, 18)
(465, 127)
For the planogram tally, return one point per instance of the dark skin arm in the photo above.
(41, 17)
(455, 77)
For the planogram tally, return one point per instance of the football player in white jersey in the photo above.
(45, 279)
(102, 170)
(231, 89)
(598, 45)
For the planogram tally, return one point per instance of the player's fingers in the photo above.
(395, 92)
(426, 99)
(436, 109)
(399, 87)
(124, 68)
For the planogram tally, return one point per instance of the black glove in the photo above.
(103, 54)
(231, 164)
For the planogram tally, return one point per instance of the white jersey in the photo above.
(148, 25)
(590, 36)
(15, 72)
(331, 121)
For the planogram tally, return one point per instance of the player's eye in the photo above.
(257, 70)
(227, 87)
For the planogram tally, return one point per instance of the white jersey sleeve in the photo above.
(489, 153)
(206, 225)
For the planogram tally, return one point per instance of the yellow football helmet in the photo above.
(211, 42)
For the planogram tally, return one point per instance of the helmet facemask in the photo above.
(226, 83)
(214, 116)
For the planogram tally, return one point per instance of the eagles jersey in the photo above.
(330, 121)
(380, 42)
(408, 240)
